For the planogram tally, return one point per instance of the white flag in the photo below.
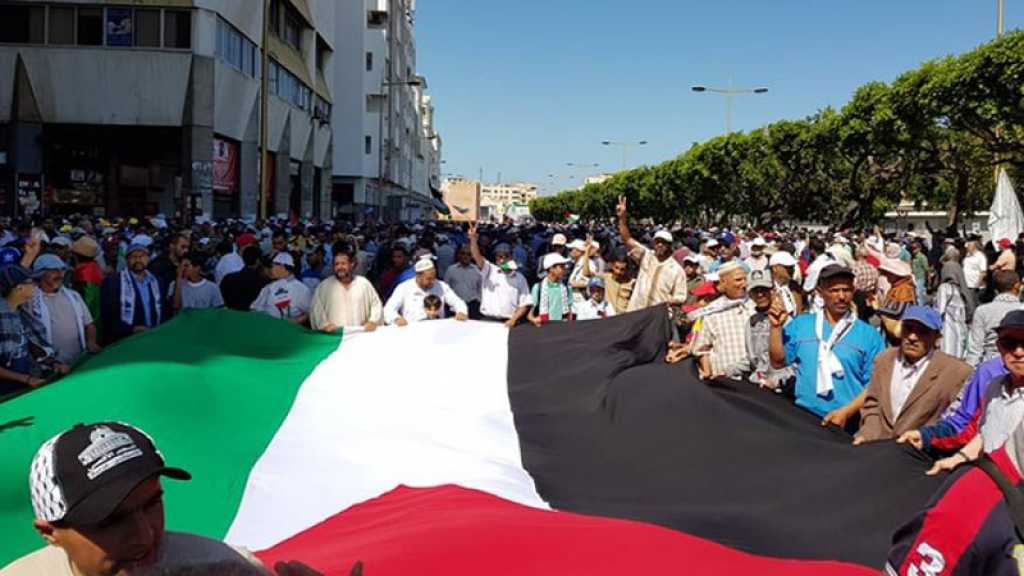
(1005, 219)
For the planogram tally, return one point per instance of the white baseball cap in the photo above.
(663, 235)
(554, 259)
(759, 242)
(558, 240)
(782, 258)
(284, 259)
(712, 243)
(577, 245)
(424, 264)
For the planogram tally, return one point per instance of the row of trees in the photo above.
(934, 136)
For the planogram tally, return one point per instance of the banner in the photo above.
(225, 166)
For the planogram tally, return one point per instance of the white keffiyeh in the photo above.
(128, 297)
(828, 363)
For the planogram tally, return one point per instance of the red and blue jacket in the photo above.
(966, 530)
(958, 427)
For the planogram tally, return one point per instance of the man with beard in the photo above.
(345, 300)
(831, 351)
(660, 279)
(406, 302)
(618, 283)
(131, 301)
(98, 502)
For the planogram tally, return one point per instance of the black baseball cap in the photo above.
(835, 270)
(1012, 320)
(82, 475)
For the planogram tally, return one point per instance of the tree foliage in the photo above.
(933, 136)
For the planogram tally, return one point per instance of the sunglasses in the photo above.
(1011, 344)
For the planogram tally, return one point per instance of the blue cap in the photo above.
(9, 256)
(595, 282)
(48, 262)
(137, 248)
(923, 315)
(14, 275)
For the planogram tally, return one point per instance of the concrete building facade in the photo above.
(387, 151)
(462, 196)
(117, 108)
(498, 200)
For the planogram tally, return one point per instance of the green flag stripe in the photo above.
(211, 387)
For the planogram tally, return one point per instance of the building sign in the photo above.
(119, 27)
(225, 166)
(29, 192)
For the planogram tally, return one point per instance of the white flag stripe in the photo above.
(423, 405)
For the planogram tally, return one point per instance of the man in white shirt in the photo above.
(975, 269)
(464, 278)
(505, 294)
(661, 279)
(406, 302)
(345, 300)
(286, 297)
(66, 321)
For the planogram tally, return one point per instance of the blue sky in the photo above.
(523, 87)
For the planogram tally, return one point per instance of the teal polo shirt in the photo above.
(856, 352)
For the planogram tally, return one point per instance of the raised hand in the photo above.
(777, 314)
(620, 210)
(472, 231)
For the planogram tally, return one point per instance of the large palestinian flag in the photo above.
(464, 448)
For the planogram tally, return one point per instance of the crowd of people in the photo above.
(909, 338)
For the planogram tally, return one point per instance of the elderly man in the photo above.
(660, 279)
(131, 300)
(67, 323)
(465, 279)
(831, 351)
(286, 297)
(345, 300)
(912, 385)
(981, 340)
(504, 292)
(406, 302)
(721, 344)
(98, 502)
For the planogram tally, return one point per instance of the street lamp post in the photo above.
(386, 101)
(730, 94)
(999, 18)
(625, 149)
(584, 165)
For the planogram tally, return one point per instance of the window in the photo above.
(292, 31)
(90, 26)
(272, 78)
(119, 26)
(177, 29)
(21, 24)
(147, 28)
(247, 59)
(235, 49)
(62, 25)
(368, 145)
(376, 18)
(369, 61)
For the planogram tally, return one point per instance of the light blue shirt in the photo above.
(856, 352)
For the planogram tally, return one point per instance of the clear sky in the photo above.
(523, 87)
